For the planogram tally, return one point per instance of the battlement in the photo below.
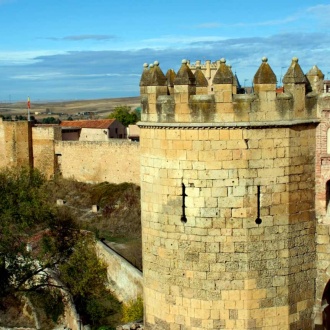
(185, 97)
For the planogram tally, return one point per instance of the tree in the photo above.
(125, 115)
(50, 120)
(85, 276)
(20, 117)
(42, 250)
(27, 219)
(83, 273)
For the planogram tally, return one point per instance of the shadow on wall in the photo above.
(125, 280)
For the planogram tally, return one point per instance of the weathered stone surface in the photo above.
(253, 157)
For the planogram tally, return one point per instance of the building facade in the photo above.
(92, 130)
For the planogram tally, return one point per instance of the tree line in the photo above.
(124, 114)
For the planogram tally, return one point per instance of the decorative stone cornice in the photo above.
(247, 125)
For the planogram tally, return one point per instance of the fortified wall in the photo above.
(22, 144)
(228, 200)
(16, 144)
(115, 161)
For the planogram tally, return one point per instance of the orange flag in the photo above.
(28, 103)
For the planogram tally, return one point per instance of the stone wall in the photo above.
(93, 134)
(115, 161)
(219, 269)
(322, 194)
(228, 200)
(124, 279)
(43, 141)
(16, 143)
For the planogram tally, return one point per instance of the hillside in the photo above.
(99, 108)
(118, 220)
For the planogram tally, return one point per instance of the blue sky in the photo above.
(79, 49)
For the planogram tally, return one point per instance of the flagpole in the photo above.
(28, 107)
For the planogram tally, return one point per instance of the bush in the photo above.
(125, 115)
(49, 301)
(133, 310)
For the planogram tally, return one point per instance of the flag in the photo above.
(28, 103)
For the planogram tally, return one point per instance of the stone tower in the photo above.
(228, 208)
(22, 144)
(15, 143)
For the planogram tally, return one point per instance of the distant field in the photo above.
(100, 108)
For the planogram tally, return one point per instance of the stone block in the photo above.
(210, 212)
(95, 208)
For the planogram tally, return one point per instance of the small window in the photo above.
(327, 198)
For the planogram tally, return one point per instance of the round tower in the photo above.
(227, 189)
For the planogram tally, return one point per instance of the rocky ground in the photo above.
(131, 326)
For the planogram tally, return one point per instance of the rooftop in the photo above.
(97, 123)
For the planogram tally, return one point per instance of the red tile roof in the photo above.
(98, 123)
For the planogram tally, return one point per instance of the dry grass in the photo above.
(118, 221)
(100, 108)
(11, 313)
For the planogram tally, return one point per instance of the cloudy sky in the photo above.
(83, 49)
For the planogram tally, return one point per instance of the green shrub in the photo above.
(50, 301)
(133, 310)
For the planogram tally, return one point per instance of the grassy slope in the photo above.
(118, 220)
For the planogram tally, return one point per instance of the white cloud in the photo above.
(210, 25)
(25, 57)
(321, 12)
(60, 75)
(245, 24)
(178, 41)
(40, 76)
(81, 37)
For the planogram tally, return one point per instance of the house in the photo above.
(133, 133)
(92, 130)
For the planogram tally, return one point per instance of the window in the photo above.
(327, 197)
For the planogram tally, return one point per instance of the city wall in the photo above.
(43, 148)
(15, 144)
(115, 161)
(124, 279)
(22, 144)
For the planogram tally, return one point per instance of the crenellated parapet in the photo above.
(186, 96)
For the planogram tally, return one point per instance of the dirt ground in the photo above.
(80, 109)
